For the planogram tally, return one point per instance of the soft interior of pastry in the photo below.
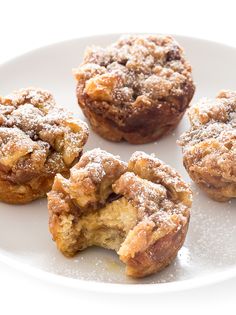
(107, 227)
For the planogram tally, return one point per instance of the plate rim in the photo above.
(103, 287)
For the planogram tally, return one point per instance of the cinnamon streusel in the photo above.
(136, 89)
(140, 209)
(209, 148)
(38, 139)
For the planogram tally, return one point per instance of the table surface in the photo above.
(26, 25)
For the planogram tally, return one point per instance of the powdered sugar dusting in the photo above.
(212, 118)
(97, 164)
(148, 66)
(32, 123)
(153, 201)
(209, 147)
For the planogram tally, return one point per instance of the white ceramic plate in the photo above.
(209, 253)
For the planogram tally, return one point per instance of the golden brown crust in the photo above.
(37, 140)
(92, 177)
(158, 256)
(145, 221)
(209, 148)
(136, 89)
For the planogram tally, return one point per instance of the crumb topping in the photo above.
(209, 147)
(91, 178)
(161, 198)
(97, 164)
(146, 224)
(151, 168)
(222, 109)
(151, 201)
(147, 67)
(212, 119)
(36, 136)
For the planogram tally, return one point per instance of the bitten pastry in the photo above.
(209, 148)
(140, 209)
(136, 89)
(38, 139)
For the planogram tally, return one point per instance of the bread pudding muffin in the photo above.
(140, 209)
(38, 139)
(209, 147)
(136, 89)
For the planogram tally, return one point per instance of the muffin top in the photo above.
(212, 120)
(209, 147)
(143, 69)
(36, 136)
(159, 194)
(140, 209)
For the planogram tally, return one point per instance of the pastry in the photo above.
(136, 89)
(140, 209)
(38, 139)
(209, 147)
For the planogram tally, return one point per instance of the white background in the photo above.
(26, 25)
